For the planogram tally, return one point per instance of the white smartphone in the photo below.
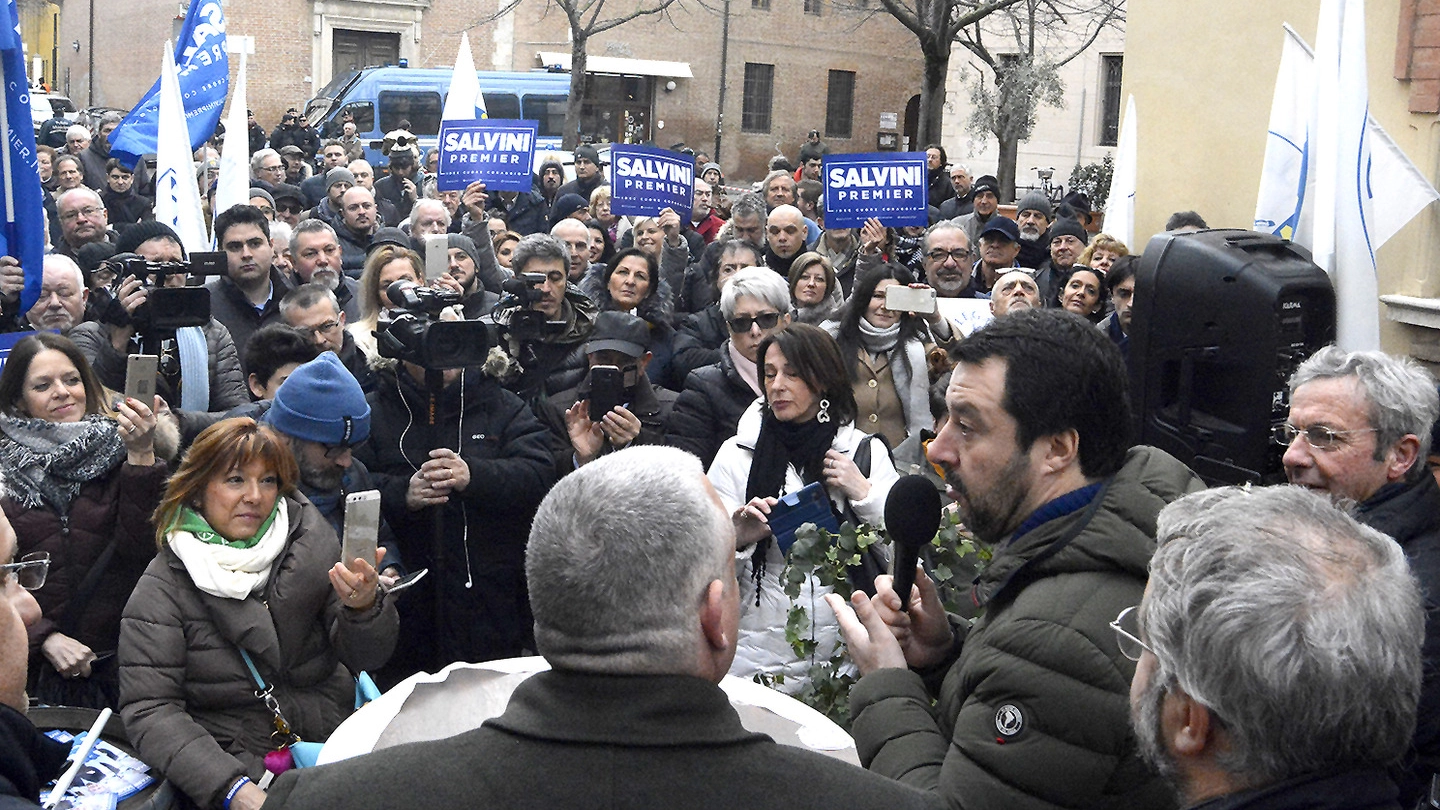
(362, 526)
(900, 298)
(437, 255)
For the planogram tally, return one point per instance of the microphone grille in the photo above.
(912, 509)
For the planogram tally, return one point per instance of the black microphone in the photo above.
(912, 516)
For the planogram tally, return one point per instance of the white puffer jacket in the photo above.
(762, 646)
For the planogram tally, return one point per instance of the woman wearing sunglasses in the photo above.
(81, 481)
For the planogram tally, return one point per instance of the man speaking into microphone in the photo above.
(1033, 706)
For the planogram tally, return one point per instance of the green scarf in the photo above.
(191, 521)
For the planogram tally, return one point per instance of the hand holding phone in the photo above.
(900, 298)
(362, 526)
(607, 389)
(140, 374)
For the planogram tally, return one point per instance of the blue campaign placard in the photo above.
(499, 152)
(889, 186)
(645, 180)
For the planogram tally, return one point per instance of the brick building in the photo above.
(788, 65)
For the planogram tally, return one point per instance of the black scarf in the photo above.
(781, 444)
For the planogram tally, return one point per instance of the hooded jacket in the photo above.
(1034, 707)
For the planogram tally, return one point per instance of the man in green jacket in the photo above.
(1033, 708)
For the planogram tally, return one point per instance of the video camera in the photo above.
(166, 308)
(518, 295)
(417, 335)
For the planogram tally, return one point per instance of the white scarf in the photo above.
(227, 572)
(748, 371)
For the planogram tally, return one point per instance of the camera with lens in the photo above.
(518, 295)
(166, 308)
(417, 335)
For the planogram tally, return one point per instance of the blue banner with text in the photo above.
(499, 152)
(645, 180)
(888, 186)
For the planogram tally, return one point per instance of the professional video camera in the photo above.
(166, 308)
(517, 295)
(417, 335)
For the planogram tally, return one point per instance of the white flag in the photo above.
(464, 102)
(1400, 190)
(1341, 237)
(233, 187)
(177, 198)
(1287, 144)
(1120, 208)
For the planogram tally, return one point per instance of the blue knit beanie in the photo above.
(321, 402)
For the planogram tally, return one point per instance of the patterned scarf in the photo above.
(48, 462)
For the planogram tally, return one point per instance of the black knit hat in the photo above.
(142, 232)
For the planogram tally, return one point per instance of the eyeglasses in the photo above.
(30, 572)
(324, 328)
(939, 256)
(86, 212)
(1127, 634)
(272, 168)
(334, 451)
(743, 323)
(1317, 436)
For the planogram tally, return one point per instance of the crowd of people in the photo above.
(1267, 653)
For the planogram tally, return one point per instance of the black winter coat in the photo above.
(28, 759)
(709, 409)
(1410, 513)
(483, 529)
(229, 306)
(697, 344)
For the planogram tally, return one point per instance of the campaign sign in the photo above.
(889, 186)
(499, 152)
(644, 180)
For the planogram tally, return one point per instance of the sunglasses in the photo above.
(743, 323)
(30, 572)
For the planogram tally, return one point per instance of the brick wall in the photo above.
(1417, 53)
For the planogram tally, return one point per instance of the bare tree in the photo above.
(936, 23)
(1032, 40)
(586, 21)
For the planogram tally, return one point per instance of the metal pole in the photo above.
(91, 83)
(724, 55)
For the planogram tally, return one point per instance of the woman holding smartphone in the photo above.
(886, 354)
(81, 481)
(799, 433)
(247, 586)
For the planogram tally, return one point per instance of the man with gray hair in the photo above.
(631, 569)
(267, 170)
(83, 219)
(747, 218)
(1278, 653)
(546, 326)
(1359, 430)
(316, 256)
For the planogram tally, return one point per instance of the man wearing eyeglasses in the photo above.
(83, 220)
(949, 266)
(1359, 430)
(1032, 708)
(267, 169)
(314, 309)
(1278, 654)
(28, 758)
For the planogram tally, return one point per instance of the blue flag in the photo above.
(204, 72)
(22, 220)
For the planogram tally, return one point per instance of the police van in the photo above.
(379, 98)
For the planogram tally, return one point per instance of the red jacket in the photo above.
(709, 226)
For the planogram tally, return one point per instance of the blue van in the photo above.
(379, 98)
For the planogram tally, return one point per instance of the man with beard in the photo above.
(332, 156)
(1032, 708)
(1066, 238)
(702, 216)
(1033, 214)
(1278, 650)
(316, 254)
(552, 177)
(784, 238)
(322, 412)
(399, 186)
(1014, 291)
(946, 253)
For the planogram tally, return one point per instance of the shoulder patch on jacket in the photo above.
(1009, 720)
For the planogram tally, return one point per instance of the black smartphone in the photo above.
(607, 389)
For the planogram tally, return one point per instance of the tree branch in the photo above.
(600, 28)
(906, 17)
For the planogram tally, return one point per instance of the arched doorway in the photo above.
(912, 123)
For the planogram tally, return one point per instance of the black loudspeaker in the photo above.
(1221, 320)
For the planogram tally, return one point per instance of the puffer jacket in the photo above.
(708, 411)
(697, 344)
(1034, 708)
(483, 529)
(657, 310)
(116, 505)
(761, 644)
(227, 380)
(186, 697)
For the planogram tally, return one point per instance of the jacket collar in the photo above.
(28, 758)
(1347, 790)
(637, 710)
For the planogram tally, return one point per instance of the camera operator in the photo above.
(199, 366)
(544, 321)
(459, 490)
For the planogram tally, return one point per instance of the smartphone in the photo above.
(900, 298)
(140, 373)
(607, 389)
(362, 526)
(408, 580)
(437, 255)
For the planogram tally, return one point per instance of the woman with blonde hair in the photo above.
(815, 295)
(384, 266)
(1102, 252)
(246, 595)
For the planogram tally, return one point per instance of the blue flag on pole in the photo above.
(204, 71)
(22, 226)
